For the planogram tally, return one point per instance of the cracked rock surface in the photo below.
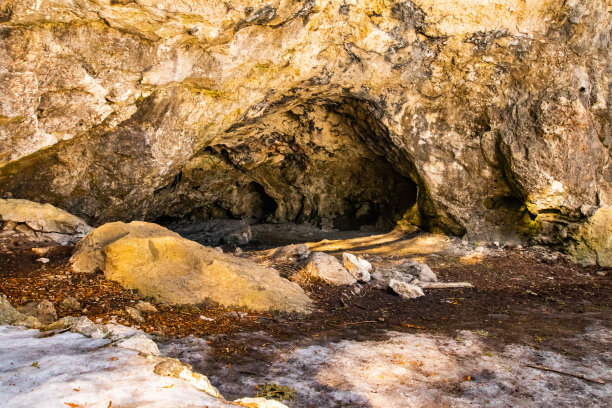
(486, 118)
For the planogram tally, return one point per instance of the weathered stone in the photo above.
(140, 343)
(406, 290)
(43, 218)
(30, 322)
(291, 253)
(70, 303)
(172, 367)
(591, 242)
(79, 324)
(162, 265)
(145, 307)
(327, 269)
(8, 314)
(419, 270)
(358, 267)
(88, 255)
(134, 314)
(43, 310)
(491, 118)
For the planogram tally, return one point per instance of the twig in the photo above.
(445, 285)
(580, 376)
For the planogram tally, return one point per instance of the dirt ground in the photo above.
(528, 297)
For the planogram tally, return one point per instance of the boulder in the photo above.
(33, 219)
(43, 310)
(406, 290)
(358, 267)
(327, 269)
(168, 268)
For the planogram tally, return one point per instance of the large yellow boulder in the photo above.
(162, 265)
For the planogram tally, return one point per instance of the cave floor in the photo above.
(528, 306)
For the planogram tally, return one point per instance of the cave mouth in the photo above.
(326, 164)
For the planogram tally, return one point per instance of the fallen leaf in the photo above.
(169, 386)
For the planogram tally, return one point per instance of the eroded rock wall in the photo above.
(497, 110)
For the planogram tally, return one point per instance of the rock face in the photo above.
(591, 242)
(486, 117)
(42, 221)
(162, 265)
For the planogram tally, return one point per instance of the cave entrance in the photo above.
(326, 163)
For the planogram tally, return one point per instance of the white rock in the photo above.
(406, 290)
(140, 343)
(43, 260)
(327, 269)
(358, 267)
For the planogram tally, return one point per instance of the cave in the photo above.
(326, 163)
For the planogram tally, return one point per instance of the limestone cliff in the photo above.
(491, 117)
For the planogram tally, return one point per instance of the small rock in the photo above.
(172, 367)
(9, 226)
(420, 270)
(218, 250)
(291, 253)
(259, 403)
(25, 230)
(358, 267)
(40, 251)
(208, 319)
(145, 307)
(406, 290)
(134, 314)
(8, 314)
(43, 260)
(81, 324)
(238, 251)
(328, 269)
(140, 343)
(70, 303)
(43, 310)
(30, 322)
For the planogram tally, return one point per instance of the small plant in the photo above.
(35, 364)
(276, 391)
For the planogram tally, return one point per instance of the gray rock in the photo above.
(70, 303)
(8, 314)
(327, 269)
(406, 290)
(43, 310)
(419, 270)
(291, 253)
(358, 267)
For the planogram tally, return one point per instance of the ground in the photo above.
(459, 347)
